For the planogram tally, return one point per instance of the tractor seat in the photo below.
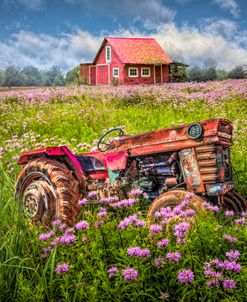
(90, 163)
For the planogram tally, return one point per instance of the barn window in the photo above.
(116, 72)
(133, 72)
(108, 54)
(145, 72)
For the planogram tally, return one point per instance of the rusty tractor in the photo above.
(166, 164)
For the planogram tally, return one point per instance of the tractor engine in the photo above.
(159, 173)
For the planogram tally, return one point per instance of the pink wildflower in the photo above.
(62, 268)
(82, 225)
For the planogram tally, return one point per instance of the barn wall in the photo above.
(139, 79)
(115, 63)
(165, 70)
(102, 74)
(101, 57)
(92, 70)
(84, 73)
(158, 74)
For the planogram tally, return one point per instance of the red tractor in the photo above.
(166, 164)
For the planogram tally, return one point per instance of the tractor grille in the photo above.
(225, 132)
(214, 163)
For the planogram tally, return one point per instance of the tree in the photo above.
(196, 74)
(207, 73)
(54, 77)
(1, 77)
(34, 76)
(58, 81)
(178, 73)
(209, 70)
(210, 63)
(14, 77)
(221, 74)
(73, 76)
(236, 73)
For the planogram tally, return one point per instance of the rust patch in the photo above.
(191, 170)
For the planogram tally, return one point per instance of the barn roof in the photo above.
(137, 50)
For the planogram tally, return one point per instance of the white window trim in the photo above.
(113, 72)
(145, 75)
(133, 76)
(106, 48)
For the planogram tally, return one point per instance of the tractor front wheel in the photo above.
(47, 190)
(172, 199)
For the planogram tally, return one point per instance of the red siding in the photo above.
(115, 63)
(92, 71)
(84, 73)
(139, 79)
(101, 78)
(158, 78)
(101, 57)
(102, 74)
(165, 70)
(158, 74)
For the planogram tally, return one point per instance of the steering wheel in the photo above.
(105, 141)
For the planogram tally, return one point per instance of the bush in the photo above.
(237, 73)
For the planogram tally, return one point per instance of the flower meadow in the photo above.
(113, 253)
(112, 257)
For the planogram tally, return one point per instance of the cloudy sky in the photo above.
(68, 32)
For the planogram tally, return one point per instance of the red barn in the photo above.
(127, 61)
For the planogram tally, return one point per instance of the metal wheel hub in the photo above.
(36, 199)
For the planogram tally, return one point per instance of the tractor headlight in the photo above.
(195, 131)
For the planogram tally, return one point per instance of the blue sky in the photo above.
(68, 32)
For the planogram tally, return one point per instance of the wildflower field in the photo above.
(115, 254)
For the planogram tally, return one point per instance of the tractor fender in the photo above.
(55, 152)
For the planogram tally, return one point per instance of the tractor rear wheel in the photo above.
(232, 200)
(172, 199)
(47, 190)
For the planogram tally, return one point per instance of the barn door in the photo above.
(92, 75)
(102, 74)
(158, 74)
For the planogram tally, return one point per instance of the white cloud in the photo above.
(198, 44)
(224, 27)
(66, 51)
(229, 5)
(220, 39)
(217, 39)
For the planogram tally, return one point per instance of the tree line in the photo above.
(208, 71)
(12, 76)
(32, 76)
